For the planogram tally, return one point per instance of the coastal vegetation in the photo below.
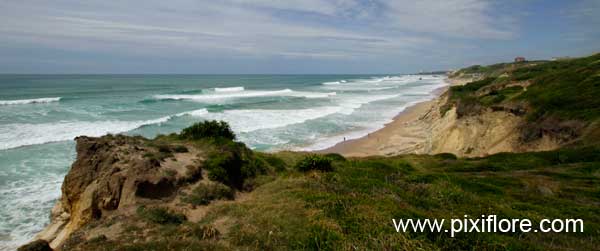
(203, 194)
(314, 162)
(300, 201)
(160, 215)
(557, 98)
(202, 190)
(208, 129)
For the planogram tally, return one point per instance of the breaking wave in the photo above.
(229, 89)
(223, 95)
(29, 101)
(264, 118)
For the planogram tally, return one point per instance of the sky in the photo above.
(288, 36)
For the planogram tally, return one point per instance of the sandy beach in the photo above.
(406, 134)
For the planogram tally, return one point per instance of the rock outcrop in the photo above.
(37, 245)
(491, 131)
(111, 177)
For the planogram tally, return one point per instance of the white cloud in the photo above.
(316, 6)
(461, 18)
(293, 28)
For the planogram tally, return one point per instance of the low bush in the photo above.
(335, 157)
(314, 162)
(446, 156)
(205, 193)
(160, 215)
(164, 148)
(170, 172)
(208, 129)
(159, 151)
(232, 163)
(192, 174)
(457, 92)
(277, 163)
(180, 149)
(468, 106)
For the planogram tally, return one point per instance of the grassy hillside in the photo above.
(296, 201)
(557, 98)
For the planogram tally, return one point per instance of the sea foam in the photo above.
(22, 134)
(30, 101)
(223, 95)
(229, 89)
(257, 119)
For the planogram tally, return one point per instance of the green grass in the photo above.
(495, 70)
(233, 164)
(314, 162)
(351, 206)
(561, 99)
(565, 89)
(205, 193)
(160, 215)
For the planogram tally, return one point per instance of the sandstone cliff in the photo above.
(117, 172)
(490, 131)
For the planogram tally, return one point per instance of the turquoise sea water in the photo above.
(41, 114)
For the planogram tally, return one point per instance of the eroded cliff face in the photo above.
(490, 131)
(111, 177)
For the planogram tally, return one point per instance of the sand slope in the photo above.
(421, 129)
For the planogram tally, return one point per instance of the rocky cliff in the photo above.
(118, 172)
(490, 131)
(517, 107)
(130, 193)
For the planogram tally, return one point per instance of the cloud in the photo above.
(461, 18)
(230, 26)
(316, 6)
(311, 29)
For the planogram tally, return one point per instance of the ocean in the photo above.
(41, 114)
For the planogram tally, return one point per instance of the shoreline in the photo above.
(368, 145)
(407, 133)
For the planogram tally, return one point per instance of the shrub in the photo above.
(192, 174)
(335, 157)
(180, 149)
(232, 164)
(208, 129)
(160, 215)
(164, 149)
(446, 156)
(205, 193)
(273, 161)
(157, 156)
(459, 91)
(468, 106)
(170, 172)
(314, 162)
